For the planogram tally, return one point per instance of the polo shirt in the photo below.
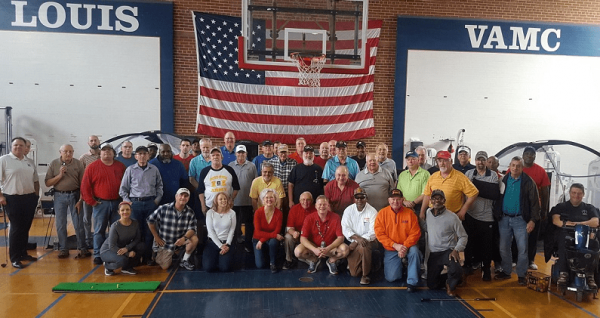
(390, 165)
(126, 161)
(412, 186)
(320, 161)
(297, 157)
(333, 163)
(455, 186)
(258, 160)
(377, 186)
(306, 178)
(71, 180)
(361, 223)
(228, 156)
(17, 176)
(186, 162)
(259, 184)
(340, 199)
(512, 196)
(297, 215)
(317, 231)
(88, 158)
(196, 165)
(246, 173)
(463, 169)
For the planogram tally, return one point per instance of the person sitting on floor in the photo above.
(174, 225)
(220, 225)
(124, 245)
(446, 237)
(267, 227)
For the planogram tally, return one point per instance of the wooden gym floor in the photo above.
(258, 293)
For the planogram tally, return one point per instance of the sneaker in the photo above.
(332, 267)
(522, 281)
(312, 266)
(365, 280)
(410, 288)
(97, 261)
(502, 276)
(83, 253)
(424, 275)
(187, 265)
(63, 254)
(533, 267)
(514, 265)
(287, 265)
(273, 269)
(497, 269)
(563, 278)
(129, 271)
(108, 272)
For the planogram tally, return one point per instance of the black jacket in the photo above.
(530, 200)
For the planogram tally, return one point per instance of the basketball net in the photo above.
(309, 69)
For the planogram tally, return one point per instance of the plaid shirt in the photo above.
(171, 224)
(282, 171)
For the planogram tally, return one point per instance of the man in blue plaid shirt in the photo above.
(173, 225)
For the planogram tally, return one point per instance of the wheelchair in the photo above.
(582, 252)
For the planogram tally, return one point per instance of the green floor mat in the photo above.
(123, 287)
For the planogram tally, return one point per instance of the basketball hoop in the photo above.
(309, 69)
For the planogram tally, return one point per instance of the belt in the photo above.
(142, 198)
(100, 199)
(67, 192)
(222, 242)
(512, 215)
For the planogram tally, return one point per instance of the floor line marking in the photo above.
(495, 303)
(125, 303)
(572, 303)
(160, 293)
(220, 290)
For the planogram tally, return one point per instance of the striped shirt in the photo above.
(455, 186)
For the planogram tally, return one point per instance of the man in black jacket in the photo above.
(517, 211)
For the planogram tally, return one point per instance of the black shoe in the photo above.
(502, 276)
(28, 258)
(151, 263)
(287, 265)
(522, 281)
(129, 271)
(273, 268)
(467, 270)
(18, 264)
(97, 261)
(410, 288)
(486, 276)
(108, 272)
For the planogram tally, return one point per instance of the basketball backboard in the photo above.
(272, 30)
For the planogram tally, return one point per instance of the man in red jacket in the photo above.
(100, 189)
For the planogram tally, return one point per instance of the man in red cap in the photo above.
(454, 184)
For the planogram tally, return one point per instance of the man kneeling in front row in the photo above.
(322, 238)
(446, 238)
(174, 225)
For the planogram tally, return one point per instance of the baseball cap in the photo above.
(359, 192)
(141, 148)
(283, 147)
(465, 149)
(152, 145)
(443, 155)
(411, 154)
(183, 190)
(361, 144)
(240, 148)
(438, 192)
(106, 145)
(529, 148)
(216, 149)
(341, 144)
(396, 193)
(309, 148)
(481, 154)
(267, 143)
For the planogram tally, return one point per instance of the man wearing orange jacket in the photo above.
(397, 229)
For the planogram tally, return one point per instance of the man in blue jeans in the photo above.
(517, 211)
(65, 174)
(142, 186)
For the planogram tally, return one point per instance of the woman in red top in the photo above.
(267, 227)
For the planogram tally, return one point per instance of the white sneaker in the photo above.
(533, 267)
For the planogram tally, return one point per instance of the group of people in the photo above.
(314, 209)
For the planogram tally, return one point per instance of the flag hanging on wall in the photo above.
(270, 105)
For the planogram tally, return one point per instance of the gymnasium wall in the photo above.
(585, 12)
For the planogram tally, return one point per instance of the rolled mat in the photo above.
(123, 287)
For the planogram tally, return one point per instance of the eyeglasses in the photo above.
(360, 197)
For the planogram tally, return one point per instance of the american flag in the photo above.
(270, 105)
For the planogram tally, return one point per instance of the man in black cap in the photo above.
(305, 177)
(152, 150)
(340, 159)
(361, 155)
(446, 238)
(267, 154)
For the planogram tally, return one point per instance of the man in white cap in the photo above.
(464, 160)
(242, 204)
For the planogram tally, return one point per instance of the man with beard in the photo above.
(341, 159)
(267, 154)
(376, 182)
(201, 161)
(305, 177)
(92, 155)
(361, 155)
(454, 184)
(300, 144)
(172, 172)
(142, 186)
(321, 160)
(185, 155)
(126, 155)
(196, 147)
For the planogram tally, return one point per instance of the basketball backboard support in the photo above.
(272, 30)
